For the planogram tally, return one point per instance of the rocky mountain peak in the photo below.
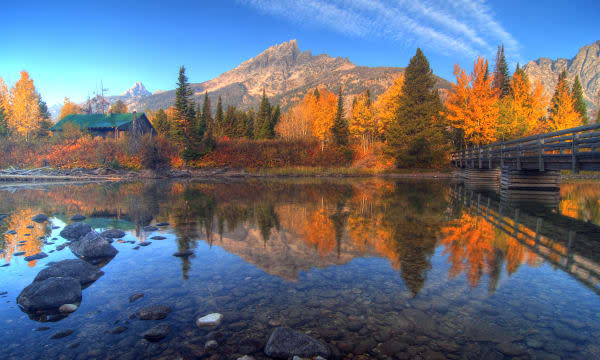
(586, 65)
(137, 90)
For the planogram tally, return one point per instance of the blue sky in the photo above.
(70, 46)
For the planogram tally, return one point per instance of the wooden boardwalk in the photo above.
(571, 149)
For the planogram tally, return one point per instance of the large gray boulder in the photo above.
(74, 268)
(39, 218)
(93, 248)
(285, 343)
(50, 294)
(75, 231)
(113, 234)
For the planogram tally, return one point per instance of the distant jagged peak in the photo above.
(137, 90)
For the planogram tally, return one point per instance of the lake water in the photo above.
(376, 269)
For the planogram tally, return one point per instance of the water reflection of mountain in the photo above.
(286, 227)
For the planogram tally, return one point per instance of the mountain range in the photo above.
(285, 73)
(586, 65)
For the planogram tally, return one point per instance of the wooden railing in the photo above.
(570, 149)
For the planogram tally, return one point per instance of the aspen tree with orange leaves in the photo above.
(387, 105)
(69, 108)
(563, 114)
(472, 104)
(363, 125)
(24, 114)
(522, 112)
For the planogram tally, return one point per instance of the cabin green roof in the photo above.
(95, 121)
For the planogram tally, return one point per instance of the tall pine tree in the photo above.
(182, 122)
(262, 121)
(45, 123)
(219, 119)
(580, 104)
(208, 139)
(416, 137)
(501, 75)
(3, 123)
(339, 130)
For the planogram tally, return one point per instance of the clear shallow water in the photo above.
(376, 269)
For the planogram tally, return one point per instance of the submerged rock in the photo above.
(145, 243)
(37, 256)
(62, 334)
(75, 268)
(285, 343)
(39, 218)
(157, 332)
(50, 294)
(135, 297)
(11, 232)
(113, 234)
(93, 248)
(68, 308)
(158, 238)
(154, 312)
(184, 253)
(77, 217)
(75, 231)
(213, 319)
(163, 224)
(119, 330)
(20, 253)
(150, 228)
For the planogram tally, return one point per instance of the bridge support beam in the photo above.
(484, 179)
(530, 186)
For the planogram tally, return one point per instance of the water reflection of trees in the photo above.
(317, 223)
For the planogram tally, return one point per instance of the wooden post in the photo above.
(519, 157)
(574, 150)
(489, 149)
(479, 156)
(502, 155)
(540, 153)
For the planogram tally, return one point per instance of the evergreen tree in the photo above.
(274, 119)
(206, 111)
(219, 125)
(161, 123)
(580, 104)
(501, 75)
(3, 123)
(182, 124)
(262, 121)
(208, 138)
(45, 122)
(339, 130)
(417, 136)
(247, 127)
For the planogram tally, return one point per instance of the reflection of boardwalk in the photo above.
(569, 244)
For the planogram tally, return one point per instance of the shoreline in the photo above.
(52, 176)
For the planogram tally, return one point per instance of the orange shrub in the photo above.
(243, 153)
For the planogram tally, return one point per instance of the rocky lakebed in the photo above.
(354, 269)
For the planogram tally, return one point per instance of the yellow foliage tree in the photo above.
(523, 110)
(312, 118)
(387, 104)
(295, 124)
(472, 104)
(563, 114)
(69, 108)
(24, 118)
(363, 124)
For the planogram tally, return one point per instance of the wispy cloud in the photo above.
(462, 27)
